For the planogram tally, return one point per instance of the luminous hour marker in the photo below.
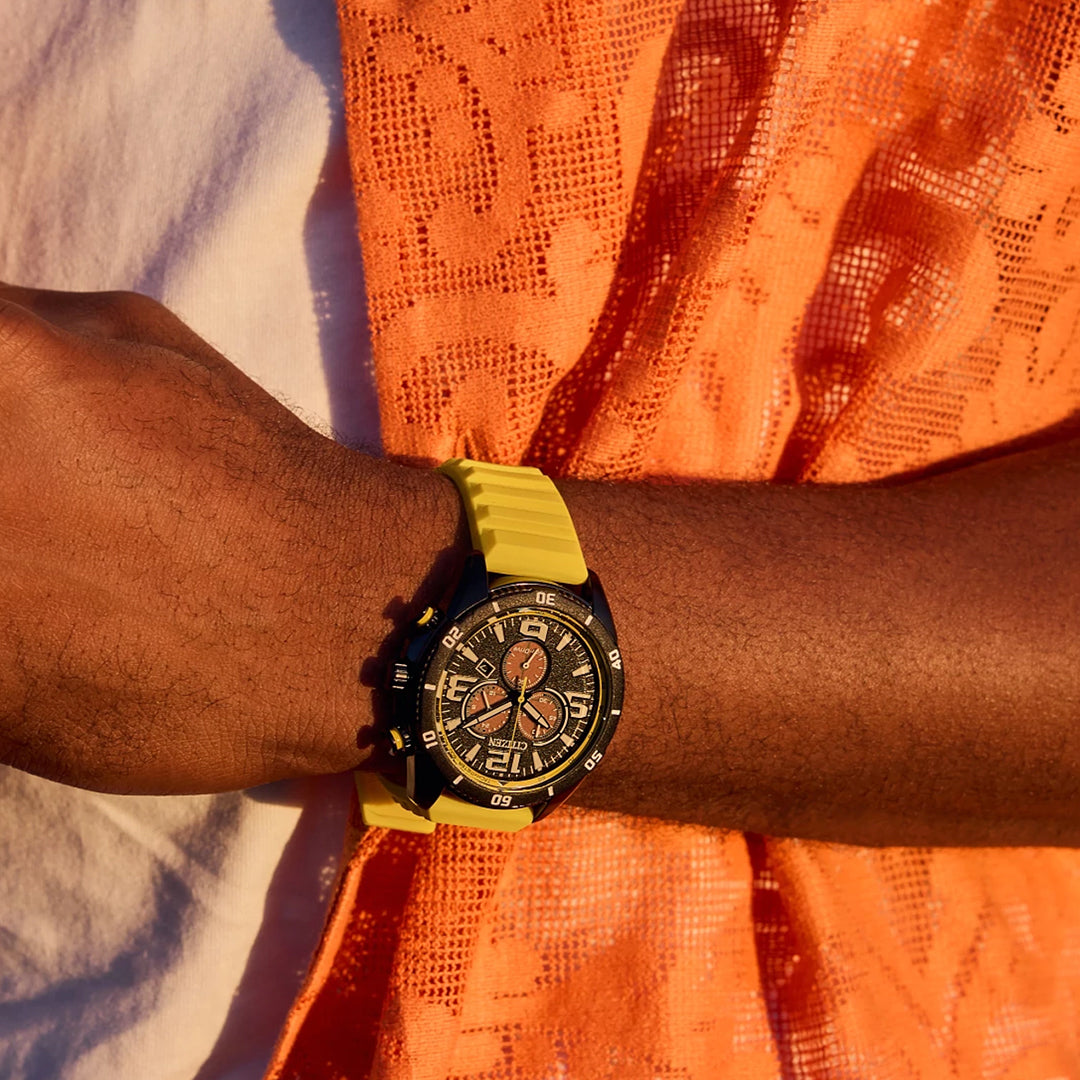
(471, 755)
(537, 763)
(583, 670)
(468, 653)
(563, 642)
(566, 740)
(452, 725)
(500, 634)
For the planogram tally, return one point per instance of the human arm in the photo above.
(878, 665)
(193, 579)
(190, 577)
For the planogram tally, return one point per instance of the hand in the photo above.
(536, 715)
(190, 576)
(519, 704)
(483, 720)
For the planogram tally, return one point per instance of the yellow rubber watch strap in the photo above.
(383, 803)
(450, 810)
(518, 520)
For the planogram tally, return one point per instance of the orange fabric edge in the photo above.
(373, 860)
(357, 849)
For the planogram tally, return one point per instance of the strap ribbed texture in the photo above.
(518, 520)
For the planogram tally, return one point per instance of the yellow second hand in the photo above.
(520, 706)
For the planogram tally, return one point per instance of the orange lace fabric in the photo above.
(806, 240)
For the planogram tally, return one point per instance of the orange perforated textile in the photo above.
(806, 240)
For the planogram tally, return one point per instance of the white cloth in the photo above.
(195, 152)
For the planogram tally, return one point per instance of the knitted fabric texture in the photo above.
(802, 241)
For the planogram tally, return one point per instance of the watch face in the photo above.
(520, 696)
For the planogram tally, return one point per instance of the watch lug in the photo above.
(472, 587)
(553, 803)
(592, 592)
(423, 781)
(417, 646)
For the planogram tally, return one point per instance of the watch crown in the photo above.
(399, 675)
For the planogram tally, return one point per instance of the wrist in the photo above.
(505, 697)
(386, 539)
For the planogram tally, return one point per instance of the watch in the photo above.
(503, 702)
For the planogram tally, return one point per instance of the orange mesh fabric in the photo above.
(800, 241)
(732, 239)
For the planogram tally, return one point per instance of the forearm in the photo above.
(198, 592)
(873, 665)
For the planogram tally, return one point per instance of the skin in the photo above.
(200, 593)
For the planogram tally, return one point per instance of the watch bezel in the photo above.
(504, 600)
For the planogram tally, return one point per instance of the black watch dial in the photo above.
(520, 696)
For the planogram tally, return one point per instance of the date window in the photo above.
(485, 668)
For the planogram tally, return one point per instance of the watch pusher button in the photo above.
(399, 675)
(400, 741)
(429, 618)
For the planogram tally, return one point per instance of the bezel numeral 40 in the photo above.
(616, 659)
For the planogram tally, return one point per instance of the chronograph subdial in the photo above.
(542, 716)
(525, 664)
(487, 708)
